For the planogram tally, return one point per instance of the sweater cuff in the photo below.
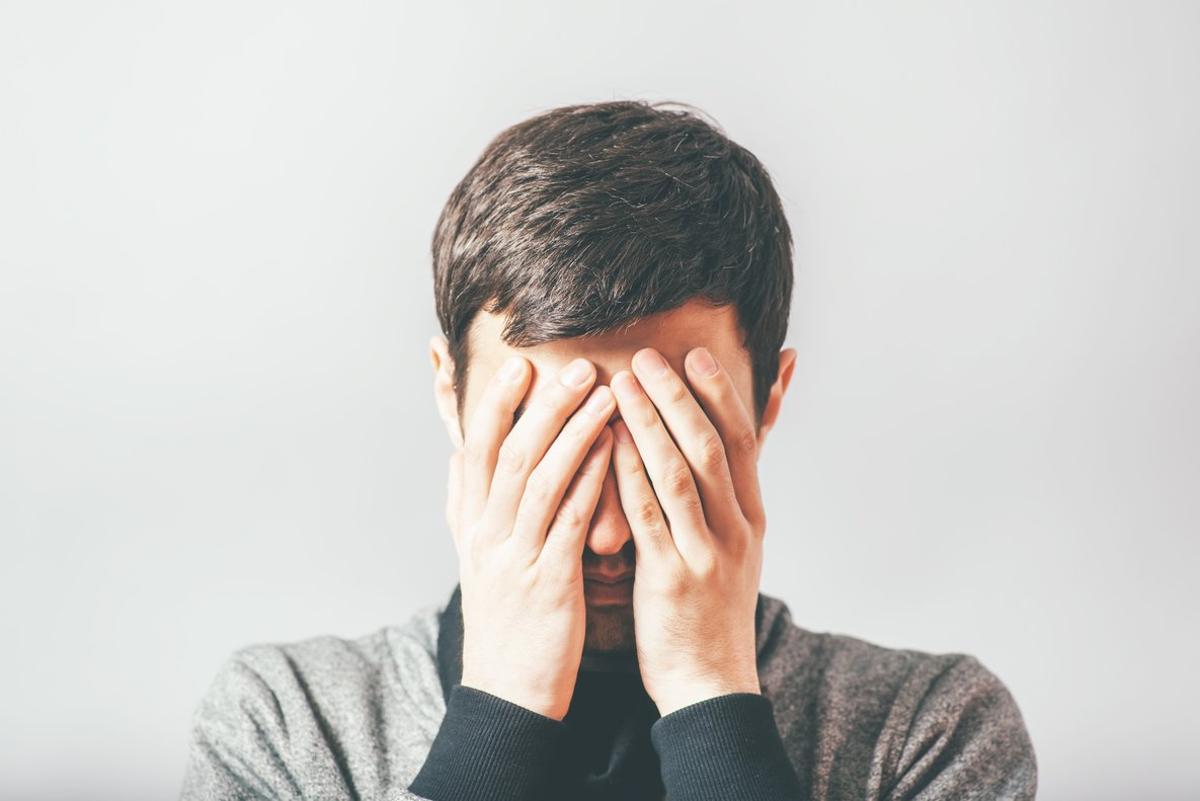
(726, 748)
(489, 748)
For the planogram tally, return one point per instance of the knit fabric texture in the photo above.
(340, 719)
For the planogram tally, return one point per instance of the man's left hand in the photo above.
(697, 520)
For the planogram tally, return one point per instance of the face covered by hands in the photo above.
(672, 485)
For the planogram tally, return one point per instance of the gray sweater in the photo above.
(335, 719)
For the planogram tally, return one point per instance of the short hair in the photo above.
(585, 218)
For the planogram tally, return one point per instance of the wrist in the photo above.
(685, 694)
(546, 705)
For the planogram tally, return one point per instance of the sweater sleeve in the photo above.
(241, 746)
(489, 748)
(967, 740)
(728, 748)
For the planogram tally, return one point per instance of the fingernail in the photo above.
(652, 362)
(576, 374)
(703, 361)
(512, 369)
(599, 402)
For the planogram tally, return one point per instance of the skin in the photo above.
(658, 478)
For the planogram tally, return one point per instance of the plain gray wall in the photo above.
(216, 424)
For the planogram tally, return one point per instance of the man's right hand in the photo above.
(521, 497)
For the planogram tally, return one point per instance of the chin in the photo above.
(609, 628)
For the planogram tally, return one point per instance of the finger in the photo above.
(529, 439)
(695, 437)
(651, 537)
(669, 473)
(489, 425)
(568, 531)
(717, 394)
(549, 480)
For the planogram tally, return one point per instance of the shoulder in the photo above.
(795, 658)
(902, 715)
(327, 668)
(279, 713)
(335, 672)
(855, 669)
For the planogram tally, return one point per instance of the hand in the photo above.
(698, 525)
(520, 501)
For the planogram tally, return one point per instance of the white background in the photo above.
(216, 423)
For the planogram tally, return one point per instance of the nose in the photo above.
(609, 529)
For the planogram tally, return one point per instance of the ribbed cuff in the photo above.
(489, 748)
(725, 748)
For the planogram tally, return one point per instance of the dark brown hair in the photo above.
(586, 218)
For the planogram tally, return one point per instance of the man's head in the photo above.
(594, 231)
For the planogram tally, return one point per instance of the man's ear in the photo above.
(787, 365)
(443, 387)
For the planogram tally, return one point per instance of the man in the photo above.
(613, 284)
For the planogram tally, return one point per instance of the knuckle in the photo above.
(551, 403)
(739, 545)
(677, 479)
(645, 513)
(561, 400)
(758, 526)
(569, 516)
(474, 547)
(711, 451)
(577, 433)
(631, 466)
(511, 458)
(475, 454)
(705, 567)
(744, 442)
(537, 489)
(647, 417)
(677, 392)
(693, 506)
(525, 518)
(675, 579)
